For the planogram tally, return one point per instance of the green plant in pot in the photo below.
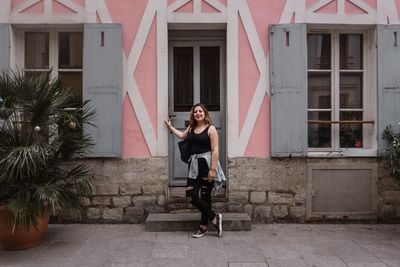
(392, 153)
(40, 136)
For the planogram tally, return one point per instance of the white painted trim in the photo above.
(132, 87)
(5, 11)
(197, 7)
(23, 5)
(103, 12)
(341, 8)
(22, 18)
(217, 5)
(90, 11)
(387, 9)
(47, 7)
(261, 89)
(232, 82)
(176, 5)
(298, 7)
(71, 5)
(364, 6)
(196, 18)
(317, 5)
(162, 79)
(142, 116)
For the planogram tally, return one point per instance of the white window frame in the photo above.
(18, 40)
(369, 148)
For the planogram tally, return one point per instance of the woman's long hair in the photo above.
(207, 119)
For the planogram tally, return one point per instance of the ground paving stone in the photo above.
(272, 245)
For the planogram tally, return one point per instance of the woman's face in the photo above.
(198, 114)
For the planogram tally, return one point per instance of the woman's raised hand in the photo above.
(168, 123)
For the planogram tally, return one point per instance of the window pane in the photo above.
(319, 90)
(70, 47)
(351, 134)
(351, 93)
(319, 135)
(351, 50)
(209, 78)
(72, 80)
(319, 51)
(36, 50)
(183, 78)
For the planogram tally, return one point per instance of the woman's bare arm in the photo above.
(179, 134)
(212, 132)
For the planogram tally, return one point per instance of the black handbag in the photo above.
(184, 149)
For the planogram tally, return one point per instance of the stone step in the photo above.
(168, 222)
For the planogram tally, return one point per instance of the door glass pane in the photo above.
(351, 90)
(210, 77)
(319, 90)
(351, 135)
(72, 80)
(183, 78)
(319, 135)
(351, 50)
(319, 51)
(70, 47)
(36, 50)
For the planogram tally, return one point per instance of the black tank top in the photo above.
(199, 143)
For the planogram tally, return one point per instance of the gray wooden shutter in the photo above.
(288, 76)
(102, 83)
(4, 46)
(388, 79)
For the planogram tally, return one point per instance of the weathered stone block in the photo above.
(130, 189)
(144, 201)
(161, 200)
(261, 213)
(93, 213)
(392, 196)
(84, 201)
(106, 189)
(156, 188)
(239, 196)
(280, 198)
(101, 200)
(297, 212)
(248, 209)
(123, 201)
(280, 211)
(133, 214)
(258, 197)
(113, 214)
(234, 207)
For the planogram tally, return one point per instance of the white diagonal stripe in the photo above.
(71, 5)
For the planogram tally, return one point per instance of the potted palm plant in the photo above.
(40, 136)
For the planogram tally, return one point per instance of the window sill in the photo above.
(346, 152)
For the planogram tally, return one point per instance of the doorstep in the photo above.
(169, 222)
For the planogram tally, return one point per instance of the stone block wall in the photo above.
(269, 190)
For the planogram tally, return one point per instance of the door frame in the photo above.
(197, 41)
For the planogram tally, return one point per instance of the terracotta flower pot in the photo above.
(24, 238)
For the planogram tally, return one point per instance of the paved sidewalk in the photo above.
(266, 245)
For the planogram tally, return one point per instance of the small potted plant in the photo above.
(40, 132)
(392, 154)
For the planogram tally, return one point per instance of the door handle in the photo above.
(172, 116)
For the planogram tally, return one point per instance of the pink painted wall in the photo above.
(130, 12)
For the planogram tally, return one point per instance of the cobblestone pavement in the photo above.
(266, 245)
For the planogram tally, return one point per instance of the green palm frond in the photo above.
(21, 213)
(41, 126)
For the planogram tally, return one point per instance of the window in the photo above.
(338, 105)
(60, 50)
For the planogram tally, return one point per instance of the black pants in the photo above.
(201, 186)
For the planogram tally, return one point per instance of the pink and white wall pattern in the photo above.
(145, 42)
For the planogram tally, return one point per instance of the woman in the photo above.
(205, 172)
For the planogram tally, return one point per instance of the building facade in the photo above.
(300, 92)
